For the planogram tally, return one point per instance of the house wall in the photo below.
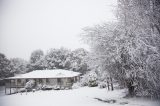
(62, 82)
(44, 81)
(52, 82)
(7, 83)
(66, 82)
(15, 82)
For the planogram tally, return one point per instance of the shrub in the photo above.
(89, 79)
(30, 84)
(47, 87)
(92, 79)
(102, 85)
(84, 81)
(39, 86)
(76, 85)
(56, 87)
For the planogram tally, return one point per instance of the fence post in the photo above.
(5, 86)
(10, 87)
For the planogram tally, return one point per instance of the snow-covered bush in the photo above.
(143, 93)
(30, 84)
(47, 87)
(56, 87)
(84, 80)
(76, 85)
(102, 85)
(22, 90)
(92, 79)
(89, 79)
(39, 86)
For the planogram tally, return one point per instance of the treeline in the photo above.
(129, 49)
(54, 59)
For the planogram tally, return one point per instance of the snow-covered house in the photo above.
(57, 77)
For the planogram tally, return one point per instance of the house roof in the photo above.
(57, 73)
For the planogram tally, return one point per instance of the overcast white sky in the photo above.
(27, 25)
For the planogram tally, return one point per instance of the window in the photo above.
(18, 81)
(59, 80)
(27, 80)
(40, 80)
(70, 80)
(47, 80)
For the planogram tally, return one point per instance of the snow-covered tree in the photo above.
(89, 79)
(5, 70)
(79, 60)
(141, 46)
(30, 84)
(66, 59)
(141, 25)
(58, 58)
(36, 60)
(124, 48)
(18, 65)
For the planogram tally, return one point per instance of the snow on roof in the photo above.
(57, 73)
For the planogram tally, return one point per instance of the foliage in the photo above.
(65, 59)
(102, 85)
(129, 48)
(5, 70)
(36, 56)
(57, 58)
(54, 59)
(79, 60)
(141, 24)
(18, 66)
(76, 85)
(90, 79)
(36, 61)
(30, 84)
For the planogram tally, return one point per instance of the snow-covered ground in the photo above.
(84, 96)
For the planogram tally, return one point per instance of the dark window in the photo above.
(19, 81)
(47, 80)
(59, 80)
(27, 80)
(72, 80)
(40, 80)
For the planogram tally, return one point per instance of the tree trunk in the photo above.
(131, 89)
(108, 85)
(111, 84)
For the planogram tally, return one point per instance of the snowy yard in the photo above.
(84, 96)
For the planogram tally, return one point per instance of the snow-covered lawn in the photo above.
(84, 96)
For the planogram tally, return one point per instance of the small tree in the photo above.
(90, 79)
(30, 84)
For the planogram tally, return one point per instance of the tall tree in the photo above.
(140, 19)
(124, 49)
(18, 65)
(58, 58)
(5, 70)
(79, 60)
(129, 48)
(36, 60)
